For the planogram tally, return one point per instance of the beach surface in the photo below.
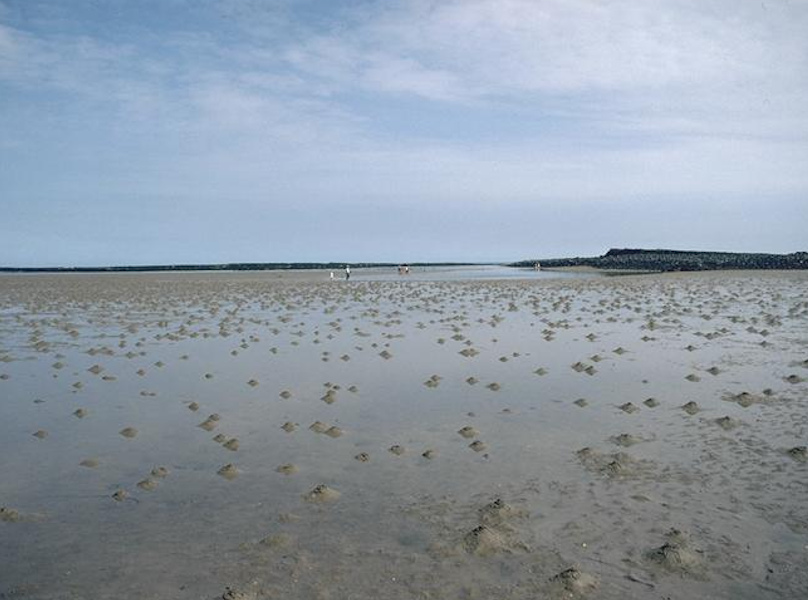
(467, 432)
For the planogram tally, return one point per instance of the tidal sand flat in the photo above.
(281, 435)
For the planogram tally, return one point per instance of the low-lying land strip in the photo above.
(676, 260)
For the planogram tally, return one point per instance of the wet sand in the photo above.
(265, 435)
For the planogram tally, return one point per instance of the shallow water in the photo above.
(400, 526)
(464, 273)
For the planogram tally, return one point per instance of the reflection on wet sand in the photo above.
(264, 435)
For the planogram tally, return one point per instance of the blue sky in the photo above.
(169, 131)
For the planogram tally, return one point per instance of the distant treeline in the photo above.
(616, 258)
(676, 260)
(222, 267)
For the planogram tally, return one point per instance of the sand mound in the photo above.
(585, 453)
(615, 467)
(498, 512)
(289, 427)
(276, 540)
(287, 469)
(397, 450)
(690, 408)
(478, 446)
(9, 515)
(128, 432)
(318, 427)
(231, 444)
(159, 472)
(618, 465)
(483, 541)
(575, 581)
(90, 463)
(333, 431)
(148, 484)
(433, 381)
(651, 402)
(362, 457)
(629, 407)
(626, 440)
(799, 453)
(727, 423)
(322, 493)
(229, 471)
(744, 399)
(41, 434)
(675, 557)
(208, 424)
(678, 554)
(468, 432)
(232, 594)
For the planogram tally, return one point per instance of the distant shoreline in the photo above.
(661, 261)
(616, 260)
(298, 266)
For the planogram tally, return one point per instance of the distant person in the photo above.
(347, 272)
(332, 275)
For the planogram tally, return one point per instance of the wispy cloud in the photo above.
(731, 60)
(472, 103)
(673, 61)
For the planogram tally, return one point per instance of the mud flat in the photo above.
(203, 435)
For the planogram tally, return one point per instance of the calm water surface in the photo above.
(388, 360)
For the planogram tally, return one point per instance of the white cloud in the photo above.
(725, 60)
(645, 99)
(507, 46)
(644, 64)
(395, 74)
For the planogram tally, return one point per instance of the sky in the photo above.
(212, 131)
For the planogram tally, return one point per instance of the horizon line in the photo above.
(307, 265)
